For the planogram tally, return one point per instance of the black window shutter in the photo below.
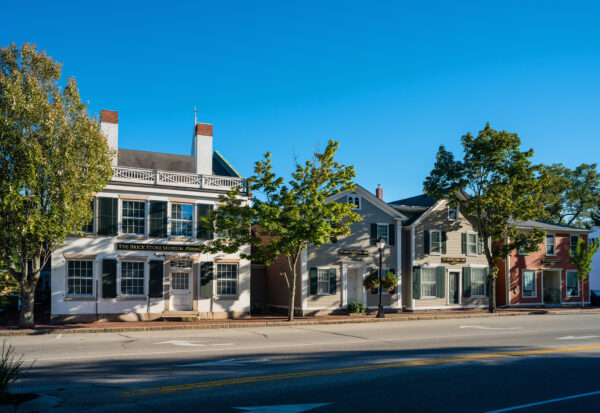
(314, 280)
(426, 241)
(463, 237)
(466, 281)
(444, 239)
(109, 278)
(373, 234)
(206, 279)
(203, 231)
(107, 216)
(332, 281)
(392, 234)
(156, 278)
(441, 282)
(158, 219)
(416, 282)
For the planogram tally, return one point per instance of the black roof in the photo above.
(416, 201)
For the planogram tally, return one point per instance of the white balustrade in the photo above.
(152, 176)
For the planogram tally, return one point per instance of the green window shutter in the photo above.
(156, 278)
(426, 241)
(392, 234)
(416, 282)
(332, 281)
(206, 279)
(441, 282)
(158, 219)
(375, 273)
(463, 237)
(109, 278)
(203, 231)
(444, 239)
(107, 216)
(314, 280)
(466, 281)
(373, 234)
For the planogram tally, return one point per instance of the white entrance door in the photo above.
(181, 291)
(355, 293)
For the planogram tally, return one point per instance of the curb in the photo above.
(208, 326)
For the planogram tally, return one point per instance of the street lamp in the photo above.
(380, 245)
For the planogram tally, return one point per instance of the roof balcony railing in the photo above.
(182, 179)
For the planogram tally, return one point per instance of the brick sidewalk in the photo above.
(277, 320)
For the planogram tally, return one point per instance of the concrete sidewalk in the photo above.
(278, 320)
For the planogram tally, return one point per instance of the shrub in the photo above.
(10, 367)
(356, 308)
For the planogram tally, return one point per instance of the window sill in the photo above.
(428, 298)
(126, 236)
(190, 239)
(83, 298)
(134, 298)
(227, 297)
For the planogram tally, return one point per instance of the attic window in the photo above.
(452, 213)
(354, 199)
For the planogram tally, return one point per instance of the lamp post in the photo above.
(380, 245)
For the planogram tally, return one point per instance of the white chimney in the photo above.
(109, 125)
(202, 148)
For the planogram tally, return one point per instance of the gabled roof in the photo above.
(548, 226)
(171, 162)
(372, 199)
(424, 201)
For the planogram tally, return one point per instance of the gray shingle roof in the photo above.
(548, 226)
(418, 201)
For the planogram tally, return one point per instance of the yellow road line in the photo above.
(425, 362)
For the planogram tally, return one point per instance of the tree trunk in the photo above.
(582, 296)
(292, 297)
(27, 304)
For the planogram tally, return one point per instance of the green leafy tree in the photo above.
(495, 184)
(52, 157)
(571, 196)
(287, 217)
(582, 257)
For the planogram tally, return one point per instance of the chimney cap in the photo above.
(109, 116)
(204, 129)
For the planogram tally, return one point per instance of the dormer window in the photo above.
(354, 199)
(452, 213)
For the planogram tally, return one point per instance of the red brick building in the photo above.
(544, 277)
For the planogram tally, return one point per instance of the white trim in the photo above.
(399, 261)
(345, 268)
(324, 267)
(387, 225)
(479, 267)
(578, 238)
(469, 254)
(560, 271)
(359, 207)
(553, 235)
(94, 278)
(431, 231)
(535, 289)
(457, 212)
(426, 213)
(372, 199)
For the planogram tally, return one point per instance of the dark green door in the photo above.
(453, 289)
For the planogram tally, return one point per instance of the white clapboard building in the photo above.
(138, 259)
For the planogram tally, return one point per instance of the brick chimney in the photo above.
(109, 125)
(379, 192)
(202, 148)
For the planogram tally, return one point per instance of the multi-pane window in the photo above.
(323, 279)
(572, 284)
(227, 281)
(573, 244)
(354, 199)
(436, 241)
(529, 284)
(452, 213)
(550, 244)
(428, 282)
(134, 216)
(382, 232)
(182, 217)
(80, 277)
(132, 278)
(180, 281)
(472, 243)
(478, 280)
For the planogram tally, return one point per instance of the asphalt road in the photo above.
(466, 365)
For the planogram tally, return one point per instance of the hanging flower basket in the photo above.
(389, 281)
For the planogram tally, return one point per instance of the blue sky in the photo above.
(390, 80)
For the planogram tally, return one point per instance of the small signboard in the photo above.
(157, 247)
(354, 253)
(454, 260)
(551, 261)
